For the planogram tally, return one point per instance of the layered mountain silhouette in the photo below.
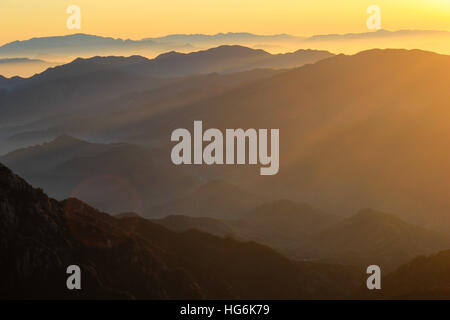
(304, 233)
(222, 59)
(121, 177)
(79, 89)
(346, 43)
(281, 224)
(378, 115)
(85, 102)
(60, 90)
(62, 48)
(113, 177)
(48, 155)
(372, 237)
(226, 59)
(75, 45)
(131, 257)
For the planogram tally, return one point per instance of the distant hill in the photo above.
(216, 198)
(221, 38)
(382, 133)
(283, 224)
(113, 177)
(382, 33)
(86, 83)
(351, 43)
(19, 60)
(63, 90)
(23, 67)
(372, 237)
(80, 66)
(225, 59)
(304, 233)
(222, 59)
(132, 258)
(115, 116)
(85, 45)
(179, 223)
(9, 83)
(75, 45)
(41, 158)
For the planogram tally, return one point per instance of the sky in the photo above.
(136, 19)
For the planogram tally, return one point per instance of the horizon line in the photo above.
(227, 33)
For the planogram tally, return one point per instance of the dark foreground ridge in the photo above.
(132, 257)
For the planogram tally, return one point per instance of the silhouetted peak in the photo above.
(66, 139)
(111, 60)
(312, 51)
(394, 52)
(169, 55)
(80, 36)
(12, 80)
(374, 216)
(237, 50)
(225, 50)
(19, 60)
(128, 215)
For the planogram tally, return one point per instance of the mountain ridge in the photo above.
(132, 258)
(190, 63)
(371, 235)
(381, 32)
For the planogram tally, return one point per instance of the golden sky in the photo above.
(136, 19)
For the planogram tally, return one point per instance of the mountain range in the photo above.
(121, 178)
(133, 258)
(62, 49)
(371, 236)
(7, 83)
(24, 67)
(113, 177)
(222, 59)
(87, 83)
(307, 234)
(378, 114)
